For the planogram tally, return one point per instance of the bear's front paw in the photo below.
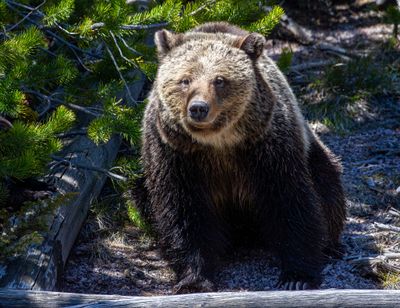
(293, 283)
(191, 284)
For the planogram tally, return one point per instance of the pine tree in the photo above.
(59, 56)
(27, 139)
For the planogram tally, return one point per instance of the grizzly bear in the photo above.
(228, 158)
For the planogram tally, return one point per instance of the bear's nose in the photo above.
(198, 110)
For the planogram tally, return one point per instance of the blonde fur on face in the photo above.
(201, 61)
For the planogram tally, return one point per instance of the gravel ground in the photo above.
(129, 263)
(125, 261)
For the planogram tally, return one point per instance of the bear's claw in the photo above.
(295, 286)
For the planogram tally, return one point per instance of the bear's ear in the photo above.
(252, 44)
(165, 40)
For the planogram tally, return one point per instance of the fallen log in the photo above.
(319, 298)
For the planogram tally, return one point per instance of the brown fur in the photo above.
(251, 169)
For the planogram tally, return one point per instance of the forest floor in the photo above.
(118, 258)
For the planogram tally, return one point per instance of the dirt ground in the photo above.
(127, 262)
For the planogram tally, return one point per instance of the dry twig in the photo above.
(128, 91)
(120, 51)
(386, 227)
(343, 53)
(89, 167)
(51, 99)
(129, 47)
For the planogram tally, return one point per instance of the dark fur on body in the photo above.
(267, 175)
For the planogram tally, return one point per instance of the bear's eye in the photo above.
(219, 82)
(185, 82)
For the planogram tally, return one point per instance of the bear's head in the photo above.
(205, 81)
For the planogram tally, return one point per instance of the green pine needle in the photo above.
(59, 12)
(44, 71)
(267, 23)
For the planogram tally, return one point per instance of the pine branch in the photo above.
(98, 25)
(95, 26)
(5, 34)
(40, 13)
(48, 32)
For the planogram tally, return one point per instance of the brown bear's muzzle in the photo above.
(198, 110)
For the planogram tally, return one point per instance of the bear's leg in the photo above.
(190, 236)
(140, 196)
(325, 172)
(189, 232)
(295, 226)
(302, 238)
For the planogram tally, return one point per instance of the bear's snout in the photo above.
(198, 110)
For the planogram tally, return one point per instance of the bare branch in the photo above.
(89, 167)
(129, 47)
(374, 265)
(65, 30)
(82, 109)
(4, 123)
(391, 255)
(394, 212)
(45, 109)
(61, 102)
(81, 61)
(48, 51)
(72, 133)
(24, 6)
(128, 91)
(56, 36)
(339, 51)
(98, 25)
(204, 6)
(120, 51)
(386, 227)
(145, 27)
(26, 16)
(384, 257)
